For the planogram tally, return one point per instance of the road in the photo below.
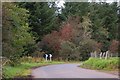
(68, 71)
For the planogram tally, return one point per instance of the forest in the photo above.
(70, 32)
(74, 31)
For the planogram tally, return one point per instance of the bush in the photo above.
(31, 59)
(96, 63)
(69, 51)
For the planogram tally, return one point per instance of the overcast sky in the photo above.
(60, 3)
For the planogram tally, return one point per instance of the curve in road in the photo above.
(68, 71)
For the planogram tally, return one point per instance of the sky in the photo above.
(60, 3)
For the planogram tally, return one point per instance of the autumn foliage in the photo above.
(52, 40)
(98, 46)
(66, 33)
(114, 46)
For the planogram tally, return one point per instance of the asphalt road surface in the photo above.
(68, 71)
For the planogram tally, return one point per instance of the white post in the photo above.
(111, 54)
(46, 56)
(106, 56)
(91, 54)
(95, 54)
(101, 55)
(50, 57)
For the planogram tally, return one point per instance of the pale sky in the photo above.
(60, 3)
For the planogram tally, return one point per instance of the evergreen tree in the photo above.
(42, 18)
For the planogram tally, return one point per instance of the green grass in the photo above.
(101, 64)
(23, 69)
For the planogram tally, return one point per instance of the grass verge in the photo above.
(24, 69)
(101, 64)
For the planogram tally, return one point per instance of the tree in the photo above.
(113, 48)
(42, 19)
(86, 25)
(52, 42)
(78, 33)
(15, 30)
(68, 51)
(103, 17)
(75, 9)
(66, 33)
